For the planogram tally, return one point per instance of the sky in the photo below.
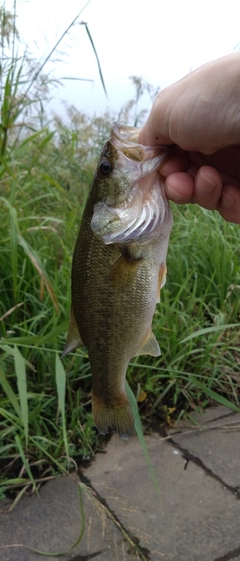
(158, 40)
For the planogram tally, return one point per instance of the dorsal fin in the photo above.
(74, 339)
(150, 346)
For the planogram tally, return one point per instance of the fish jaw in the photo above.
(138, 207)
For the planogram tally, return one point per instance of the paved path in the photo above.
(195, 517)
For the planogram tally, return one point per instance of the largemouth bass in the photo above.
(118, 269)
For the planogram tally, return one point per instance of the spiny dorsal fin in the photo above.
(150, 346)
(74, 339)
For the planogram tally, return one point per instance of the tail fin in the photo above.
(118, 417)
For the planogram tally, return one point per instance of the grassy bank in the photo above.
(46, 425)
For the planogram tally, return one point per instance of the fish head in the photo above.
(130, 195)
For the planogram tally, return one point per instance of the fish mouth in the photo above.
(125, 139)
(125, 133)
(144, 209)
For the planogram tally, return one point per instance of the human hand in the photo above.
(201, 115)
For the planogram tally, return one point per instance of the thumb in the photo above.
(155, 130)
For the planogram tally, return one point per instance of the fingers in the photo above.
(156, 129)
(178, 162)
(205, 188)
(179, 187)
(227, 161)
(229, 206)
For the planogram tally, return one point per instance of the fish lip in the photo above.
(124, 140)
(125, 133)
(128, 137)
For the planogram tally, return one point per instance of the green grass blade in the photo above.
(9, 392)
(61, 389)
(39, 267)
(214, 395)
(36, 340)
(13, 481)
(13, 238)
(18, 497)
(14, 422)
(97, 59)
(20, 369)
(207, 330)
(139, 431)
(24, 461)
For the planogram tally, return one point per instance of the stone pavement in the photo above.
(195, 516)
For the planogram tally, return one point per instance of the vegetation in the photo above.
(46, 170)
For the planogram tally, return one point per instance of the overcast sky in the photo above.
(159, 40)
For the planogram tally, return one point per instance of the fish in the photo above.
(118, 270)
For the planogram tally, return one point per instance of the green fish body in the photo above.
(118, 269)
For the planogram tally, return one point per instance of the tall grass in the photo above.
(46, 170)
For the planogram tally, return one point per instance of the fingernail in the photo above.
(173, 193)
(166, 168)
(210, 184)
(227, 202)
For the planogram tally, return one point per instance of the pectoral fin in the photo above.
(161, 279)
(74, 339)
(150, 346)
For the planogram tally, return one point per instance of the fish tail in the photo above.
(116, 416)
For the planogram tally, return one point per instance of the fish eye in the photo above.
(105, 168)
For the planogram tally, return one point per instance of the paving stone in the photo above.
(216, 443)
(52, 522)
(195, 518)
(212, 414)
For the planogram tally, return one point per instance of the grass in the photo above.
(202, 292)
(46, 170)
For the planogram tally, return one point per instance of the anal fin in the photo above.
(150, 346)
(74, 339)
